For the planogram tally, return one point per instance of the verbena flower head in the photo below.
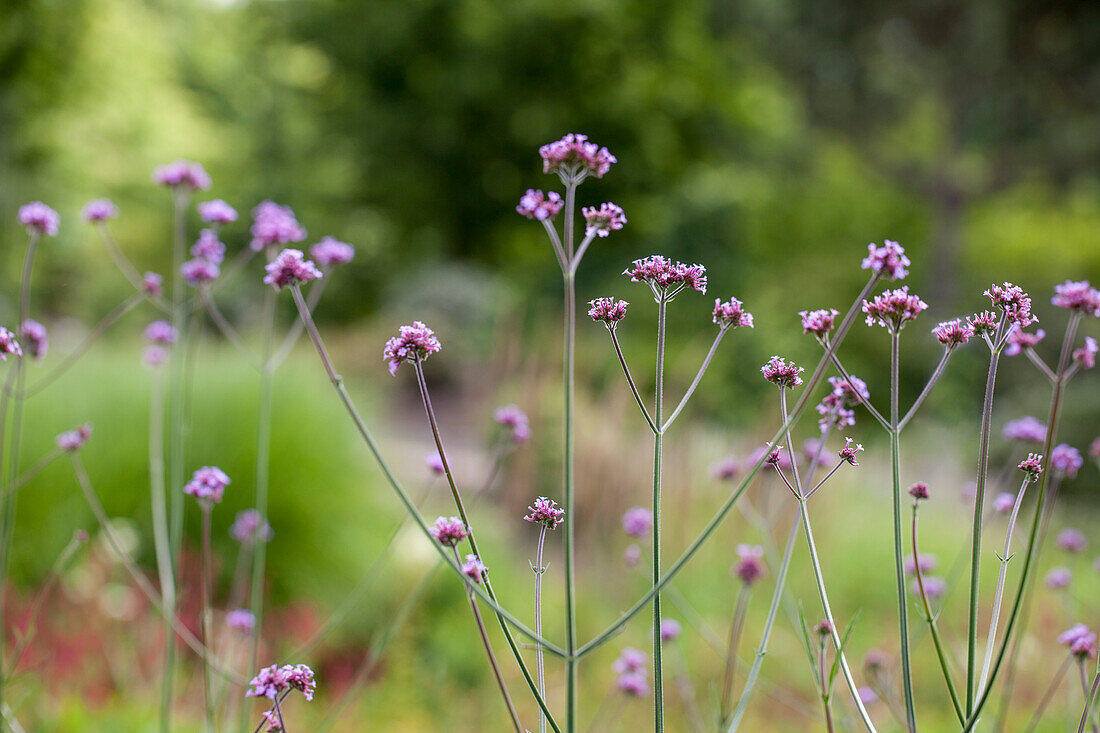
(331, 251)
(217, 212)
(545, 512)
(1086, 355)
(934, 587)
(835, 408)
(919, 491)
(274, 225)
(851, 389)
(600, 222)
(99, 210)
(670, 629)
(819, 322)
(250, 527)
(152, 284)
(726, 468)
(823, 627)
(632, 555)
(207, 484)
(412, 343)
(984, 323)
(300, 677)
(953, 333)
(1058, 578)
(35, 338)
(1032, 465)
(1015, 303)
(750, 564)
(892, 309)
(927, 563)
(780, 373)
(448, 531)
(773, 456)
(208, 247)
(889, 260)
(473, 568)
(633, 684)
(1004, 502)
(637, 521)
(667, 277)
(1080, 641)
(1072, 540)
(240, 619)
(199, 271)
(573, 158)
(630, 660)
(1027, 429)
(434, 462)
(849, 451)
(290, 267)
(1078, 296)
(73, 440)
(515, 419)
(1066, 459)
(182, 174)
(731, 314)
(539, 206)
(274, 680)
(39, 219)
(161, 332)
(8, 344)
(1019, 340)
(608, 310)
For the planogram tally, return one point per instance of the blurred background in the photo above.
(769, 140)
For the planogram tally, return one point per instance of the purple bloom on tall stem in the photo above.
(161, 332)
(608, 310)
(663, 275)
(515, 419)
(1013, 301)
(1032, 465)
(331, 251)
(851, 389)
(217, 212)
(273, 225)
(1072, 540)
(1004, 502)
(199, 271)
(600, 222)
(750, 564)
(779, 372)
(39, 218)
(1080, 641)
(274, 680)
(919, 491)
(823, 627)
(573, 158)
(953, 333)
(301, 678)
(448, 531)
(630, 660)
(545, 512)
(1019, 340)
(539, 206)
(412, 343)
(290, 267)
(73, 440)
(670, 629)
(849, 451)
(152, 284)
(773, 456)
(1058, 578)
(889, 260)
(250, 527)
(240, 619)
(772, 453)
(99, 210)
(819, 322)
(208, 247)
(731, 313)
(8, 344)
(1027, 429)
(892, 309)
(182, 174)
(1079, 296)
(1086, 355)
(637, 521)
(473, 568)
(1066, 460)
(434, 462)
(207, 484)
(36, 339)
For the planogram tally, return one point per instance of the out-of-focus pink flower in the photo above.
(250, 527)
(217, 212)
(161, 332)
(274, 225)
(539, 206)
(750, 564)
(1066, 459)
(1027, 429)
(99, 210)
(36, 339)
(731, 314)
(209, 247)
(73, 440)
(207, 484)
(893, 308)
(1072, 540)
(290, 267)
(1019, 340)
(199, 271)
(331, 251)
(39, 219)
(1015, 303)
(637, 521)
(151, 284)
(1058, 578)
(183, 174)
(515, 419)
(1079, 296)
(953, 333)
(1086, 355)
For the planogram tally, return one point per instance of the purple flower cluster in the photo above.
(1019, 340)
(1066, 460)
(199, 271)
(819, 322)
(241, 620)
(608, 310)
(836, 407)
(250, 527)
(515, 419)
(99, 210)
(1015, 303)
(36, 339)
(933, 587)
(539, 206)
(1078, 296)
(601, 222)
(217, 212)
(546, 512)
(953, 333)
(411, 344)
(151, 284)
(637, 521)
(893, 308)
(1080, 641)
(984, 323)
(919, 491)
(889, 260)
(1027, 429)
(474, 569)
(8, 344)
(1058, 578)
(1072, 540)
(290, 267)
(573, 157)
(448, 531)
(331, 251)
(1032, 465)
(1086, 355)
(664, 275)
(273, 224)
(779, 372)
(161, 332)
(849, 451)
(182, 174)
(1004, 502)
(73, 440)
(39, 218)
(207, 484)
(208, 247)
(274, 680)
(670, 629)
(731, 313)
(750, 563)
(632, 674)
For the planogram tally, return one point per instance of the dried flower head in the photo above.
(199, 271)
(217, 212)
(448, 531)
(600, 222)
(209, 247)
(545, 512)
(331, 251)
(849, 451)
(207, 484)
(1086, 355)
(1058, 578)
(780, 373)
(953, 333)
(984, 323)
(750, 565)
(667, 277)
(1066, 460)
(99, 210)
(1072, 540)
(1032, 465)
(919, 491)
(539, 206)
(151, 284)
(8, 344)
(573, 158)
(767, 453)
(473, 568)
(241, 619)
(73, 440)
(184, 174)
(1015, 303)
(608, 310)
(773, 456)
(819, 322)
(39, 219)
(273, 224)
(36, 339)
(1078, 296)
(889, 260)
(515, 419)
(290, 267)
(893, 309)
(670, 629)
(411, 344)
(731, 314)
(823, 627)
(637, 521)
(1027, 429)
(1004, 502)
(250, 527)
(1018, 340)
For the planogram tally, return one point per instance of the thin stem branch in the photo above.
(27, 476)
(737, 624)
(1055, 681)
(698, 378)
(581, 249)
(828, 476)
(859, 394)
(630, 381)
(552, 233)
(1039, 363)
(227, 329)
(204, 625)
(1090, 695)
(927, 389)
(540, 665)
(296, 329)
(569, 357)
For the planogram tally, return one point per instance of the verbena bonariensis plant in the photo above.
(804, 474)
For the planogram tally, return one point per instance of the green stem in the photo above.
(204, 618)
(658, 438)
(899, 565)
(540, 665)
(736, 626)
(568, 460)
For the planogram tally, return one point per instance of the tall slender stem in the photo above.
(824, 688)
(1090, 695)
(658, 438)
(568, 459)
(899, 565)
(736, 625)
(1055, 681)
(157, 498)
(539, 662)
(204, 628)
